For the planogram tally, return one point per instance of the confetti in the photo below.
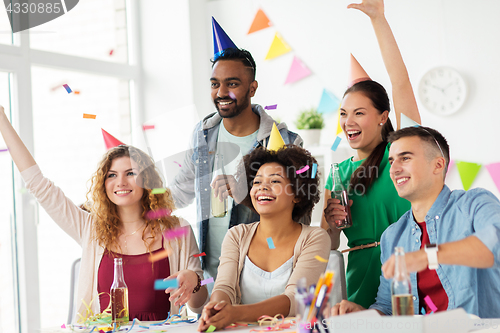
(111, 52)
(207, 281)
(200, 255)
(336, 143)
(422, 311)
(63, 326)
(68, 89)
(314, 170)
(158, 190)
(76, 92)
(320, 259)
(175, 233)
(304, 169)
(270, 243)
(157, 214)
(4, 150)
(211, 328)
(148, 127)
(430, 303)
(89, 116)
(165, 284)
(178, 164)
(159, 256)
(271, 107)
(232, 95)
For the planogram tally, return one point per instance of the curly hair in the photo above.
(292, 158)
(104, 211)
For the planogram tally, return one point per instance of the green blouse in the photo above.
(372, 212)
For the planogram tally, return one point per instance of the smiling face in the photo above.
(272, 193)
(232, 87)
(361, 121)
(416, 171)
(122, 182)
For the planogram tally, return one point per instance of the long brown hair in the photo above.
(380, 100)
(104, 211)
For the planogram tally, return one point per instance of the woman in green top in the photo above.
(375, 204)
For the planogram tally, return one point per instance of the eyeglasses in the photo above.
(437, 143)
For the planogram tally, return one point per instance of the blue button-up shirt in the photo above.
(454, 215)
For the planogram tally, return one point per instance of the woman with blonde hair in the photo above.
(124, 222)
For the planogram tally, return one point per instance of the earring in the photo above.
(381, 124)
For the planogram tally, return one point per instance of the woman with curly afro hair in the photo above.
(262, 261)
(122, 219)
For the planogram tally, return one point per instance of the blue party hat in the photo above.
(221, 39)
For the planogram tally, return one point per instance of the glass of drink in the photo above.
(339, 192)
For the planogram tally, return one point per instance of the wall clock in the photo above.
(442, 90)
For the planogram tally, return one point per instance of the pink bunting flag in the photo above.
(450, 165)
(297, 72)
(176, 233)
(494, 170)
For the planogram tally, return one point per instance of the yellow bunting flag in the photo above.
(468, 172)
(339, 128)
(278, 47)
(259, 22)
(275, 139)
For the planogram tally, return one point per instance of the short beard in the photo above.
(238, 109)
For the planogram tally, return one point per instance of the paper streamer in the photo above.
(320, 258)
(68, 89)
(314, 170)
(159, 255)
(260, 21)
(148, 127)
(207, 281)
(157, 214)
(297, 71)
(211, 328)
(199, 255)
(89, 116)
(468, 172)
(176, 233)
(271, 107)
(178, 164)
(270, 243)
(328, 102)
(336, 143)
(430, 303)
(304, 169)
(165, 284)
(278, 47)
(158, 190)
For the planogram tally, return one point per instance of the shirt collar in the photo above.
(438, 206)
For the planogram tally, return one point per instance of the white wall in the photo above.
(463, 34)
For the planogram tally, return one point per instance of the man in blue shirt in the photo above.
(451, 238)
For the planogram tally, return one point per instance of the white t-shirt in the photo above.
(232, 148)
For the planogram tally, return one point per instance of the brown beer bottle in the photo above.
(402, 298)
(119, 295)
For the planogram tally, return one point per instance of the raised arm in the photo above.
(20, 154)
(402, 92)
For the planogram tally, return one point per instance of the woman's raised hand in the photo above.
(372, 8)
(187, 279)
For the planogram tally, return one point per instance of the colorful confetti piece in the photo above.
(148, 127)
(314, 170)
(76, 92)
(422, 311)
(89, 116)
(63, 326)
(200, 255)
(111, 52)
(159, 255)
(156, 214)
(232, 95)
(211, 328)
(430, 303)
(271, 107)
(178, 164)
(165, 284)
(68, 89)
(158, 190)
(4, 150)
(270, 243)
(304, 169)
(336, 143)
(176, 233)
(207, 281)
(318, 258)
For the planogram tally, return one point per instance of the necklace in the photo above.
(125, 239)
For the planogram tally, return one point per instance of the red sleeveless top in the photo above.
(139, 273)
